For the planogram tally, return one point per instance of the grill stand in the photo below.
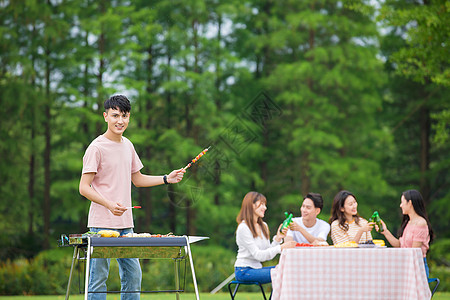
(90, 249)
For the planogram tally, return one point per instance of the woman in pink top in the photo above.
(415, 231)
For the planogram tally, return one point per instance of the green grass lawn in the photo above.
(183, 296)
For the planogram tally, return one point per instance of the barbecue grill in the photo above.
(171, 247)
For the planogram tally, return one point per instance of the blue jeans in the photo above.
(248, 274)
(129, 270)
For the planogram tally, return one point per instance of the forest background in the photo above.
(292, 96)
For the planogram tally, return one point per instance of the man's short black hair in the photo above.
(316, 199)
(119, 102)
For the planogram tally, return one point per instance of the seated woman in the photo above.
(252, 238)
(346, 224)
(415, 231)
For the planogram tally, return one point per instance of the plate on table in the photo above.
(367, 246)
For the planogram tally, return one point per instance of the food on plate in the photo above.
(320, 243)
(108, 233)
(379, 243)
(303, 245)
(350, 244)
(91, 234)
(367, 244)
(137, 235)
(372, 244)
(170, 234)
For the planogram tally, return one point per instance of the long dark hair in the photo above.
(419, 207)
(337, 214)
(246, 213)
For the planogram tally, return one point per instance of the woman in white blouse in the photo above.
(253, 240)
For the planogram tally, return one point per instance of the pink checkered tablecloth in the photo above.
(350, 273)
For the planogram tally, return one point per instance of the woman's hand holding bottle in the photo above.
(384, 227)
(280, 235)
(367, 227)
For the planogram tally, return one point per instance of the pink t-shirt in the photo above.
(415, 233)
(113, 164)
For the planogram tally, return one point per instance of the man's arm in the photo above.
(87, 191)
(311, 239)
(296, 227)
(141, 180)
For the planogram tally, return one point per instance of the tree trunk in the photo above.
(101, 69)
(425, 127)
(31, 178)
(266, 154)
(218, 82)
(172, 210)
(47, 154)
(32, 164)
(304, 163)
(304, 173)
(192, 130)
(172, 205)
(425, 124)
(146, 195)
(82, 223)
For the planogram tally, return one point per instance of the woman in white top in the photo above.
(252, 238)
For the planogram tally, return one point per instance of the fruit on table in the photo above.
(379, 243)
(320, 243)
(369, 242)
(350, 244)
(303, 245)
(108, 233)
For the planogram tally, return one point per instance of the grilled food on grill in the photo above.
(108, 233)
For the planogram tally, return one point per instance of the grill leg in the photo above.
(75, 249)
(177, 278)
(88, 260)
(194, 279)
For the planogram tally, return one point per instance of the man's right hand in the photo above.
(117, 209)
(294, 226)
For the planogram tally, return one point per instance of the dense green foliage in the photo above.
(293, 96)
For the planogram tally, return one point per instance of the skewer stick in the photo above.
(197, 158)
(134, 207)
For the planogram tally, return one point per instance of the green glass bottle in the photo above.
(287, 221)
(376, 218)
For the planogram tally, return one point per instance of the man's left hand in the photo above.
(176, 176)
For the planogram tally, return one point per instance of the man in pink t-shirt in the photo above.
(110, 164)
